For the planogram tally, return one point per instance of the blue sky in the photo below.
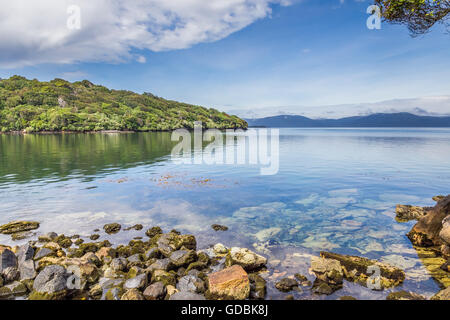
(302, 54)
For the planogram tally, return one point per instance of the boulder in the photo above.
(425, 233)
(181, 258)
(218, 227)
(229, 284)
(27, 270)
(161, 264)
(10, 274)
(44, 252)
(170, 242)
(7, 259)
(119, 264)
(18, 226)
(167, 278)
(25, 252)
(50, 284)
(138, 282)
(406, 213)
(245, 258)
(359, 270)
(191, 283)
(156, 291)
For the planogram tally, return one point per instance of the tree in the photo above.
(419, 15)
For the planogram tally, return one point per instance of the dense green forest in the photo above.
(59, 105)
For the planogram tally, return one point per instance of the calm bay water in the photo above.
(336, 190)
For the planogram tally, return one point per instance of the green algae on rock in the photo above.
(18, 226)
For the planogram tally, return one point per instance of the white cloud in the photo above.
(33, 32)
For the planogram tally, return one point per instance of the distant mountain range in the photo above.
(375, 120)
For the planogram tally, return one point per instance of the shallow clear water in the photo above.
(336, 190)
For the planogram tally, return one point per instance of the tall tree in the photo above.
(418, 15)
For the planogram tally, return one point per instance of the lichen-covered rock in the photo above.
(161, 264)
(170, 242)
(165, 277)
(181, 258)
(112, 228)
(218, 227)
(44, 252)
(322, 288)
(359, 270)
(245, 258)
(133, 294)
(156, 291)
(48, 237)
(18, 226)
(442, 295)
(105, 252)
(229, 284)
(50, 284)
(152, 253)
(404, 295)
(220, 249)
(406, 213)
(119, 264)
(286, 285)
(17, 288)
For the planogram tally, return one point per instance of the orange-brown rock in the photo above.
(229, 284)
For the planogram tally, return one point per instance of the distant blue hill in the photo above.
(372, 121)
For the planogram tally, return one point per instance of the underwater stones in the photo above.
(303, 280)
(286, 284)
(442, 295)
(245, 258)
(50, 236)
(358, 269)
(112, 228)
(191, 283)
(138, 282)
(425, 233)
(218, 227)
(181, 258)
(229, 284)
(404, 295)
(155, 291)
(136, 227)
(406, 213)
(18, 226)
(154, 231)
(266, 234)
(257, 287)
(50, 284)
(329, 275)
(7, 259)
(94, 237)
(133, 294)
(186, 296)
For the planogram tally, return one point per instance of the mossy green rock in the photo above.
(18, 226)
(112, 228)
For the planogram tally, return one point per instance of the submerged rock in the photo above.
(257, 287)
(154, 231)
(404, 295)
(245, 258)
(359, 270)
(286, 285)
(18, 226)
(329, 275)
(218, 227)
(229, 284)
(112, 228)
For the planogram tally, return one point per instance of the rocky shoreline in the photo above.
(169, 266)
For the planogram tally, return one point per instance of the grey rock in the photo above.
(118, 264)
(138, 282)
(161, 264)
(187, 296)
(43, 252)
(134, 259)
(52, 279)
(183, 257)
(7, 259)
(17, 288)
(27, 270)
(152, 253)
(156, 291)
(191, 283)
(25, 252)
